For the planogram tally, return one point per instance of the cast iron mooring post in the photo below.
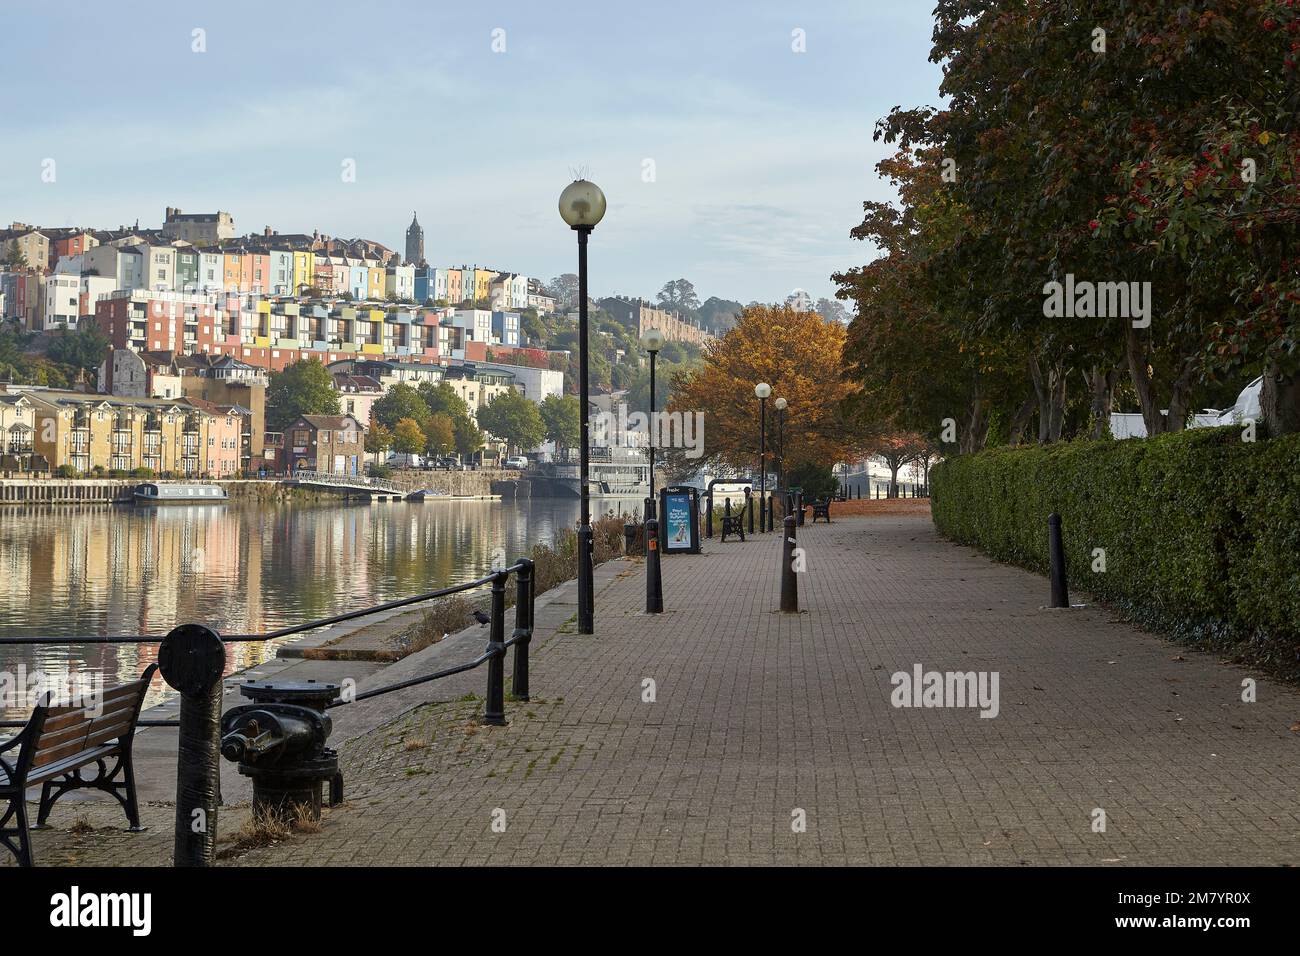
(192, 660)
(494, 711)
(654, 595)
(1056, 549)
(523, 628)
(789, 583)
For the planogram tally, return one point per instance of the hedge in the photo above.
(1201, 530)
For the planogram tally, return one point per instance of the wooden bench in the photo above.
(821, 509)
(57, 743)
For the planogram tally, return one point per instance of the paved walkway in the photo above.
(760, 720)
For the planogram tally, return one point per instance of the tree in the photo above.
(14, 257)
(401, 401)
(564, 289)
(561, 418)
(378, 438)
(898, 450)
(832, 309)
(304, 388)
(679, 296)
(513, 419)
(440, 434)
(83, 349)
(408, 439)
(469, 438)
(719, 315)
(798, 354)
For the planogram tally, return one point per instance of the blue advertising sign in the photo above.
(678, 516)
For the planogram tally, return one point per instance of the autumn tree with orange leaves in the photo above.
(797, 353)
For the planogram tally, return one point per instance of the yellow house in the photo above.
(304, 270)
(377, 278)
(483, 284)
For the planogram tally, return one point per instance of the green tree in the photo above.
(560, 415)
(513, 419)
(401, 401)
(83, 349)
(679, 296)
(469, 437)
(304, 388)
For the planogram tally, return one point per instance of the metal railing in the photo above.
(348, 481)
(185, 650)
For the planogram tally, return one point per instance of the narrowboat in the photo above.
(153, 493)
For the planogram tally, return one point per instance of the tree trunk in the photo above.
(1102, 384)
(1279, 402)
(1139, 371)
(1049, 389)
(1021, 419)
(976, 429)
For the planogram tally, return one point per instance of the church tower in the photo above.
(414, 242)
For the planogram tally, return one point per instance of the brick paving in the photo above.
(758, 716)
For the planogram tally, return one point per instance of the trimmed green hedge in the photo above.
(1201, 530)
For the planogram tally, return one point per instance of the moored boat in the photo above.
(156, 493)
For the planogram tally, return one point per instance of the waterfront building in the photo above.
(334, 444)
(505, 328)
(85, 431)
(17, 428)
(358, 394)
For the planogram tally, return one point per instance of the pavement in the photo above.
(723, 731)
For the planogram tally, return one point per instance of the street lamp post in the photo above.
(582, 206)
(780, 405)
(652, 342)
(762, 390)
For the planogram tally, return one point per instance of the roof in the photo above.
(331, 421)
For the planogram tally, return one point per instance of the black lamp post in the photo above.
(762, 390)
(780, 404)
(582, 206)
(652, 342)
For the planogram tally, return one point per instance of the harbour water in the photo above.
(241, 567)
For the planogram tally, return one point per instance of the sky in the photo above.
(727, 157)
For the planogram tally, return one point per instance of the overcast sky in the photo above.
(761, 156)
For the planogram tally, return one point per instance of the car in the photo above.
(519, 461)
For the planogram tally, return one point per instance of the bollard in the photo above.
(523, 628)
(1056, 554)
(798, 507)
(749, 509)
(629, 538)
(192, 660)
(708, 518)
(494, 710)
(789, 583)
(771, 513)
(654, 595)
(586, 580)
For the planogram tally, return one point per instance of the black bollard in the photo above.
(494, 708)
(192, 660)
(523, 627)
(586, 580)
(789, 583)
(749, 509)
(798, 507)
(1056, 553)
(771, 512)
(654, 595)
(629, 538)
(708, 518)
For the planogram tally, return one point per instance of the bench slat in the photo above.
(103, 734)
(41, 774)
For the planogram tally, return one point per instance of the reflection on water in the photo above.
(240, 568)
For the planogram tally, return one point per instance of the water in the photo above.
(241, 568)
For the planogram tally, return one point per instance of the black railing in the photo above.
(493, 655)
